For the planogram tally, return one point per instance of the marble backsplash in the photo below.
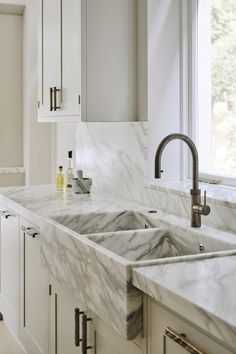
(114, 155)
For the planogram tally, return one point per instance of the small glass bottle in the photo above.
(69, 171)
(61, 180)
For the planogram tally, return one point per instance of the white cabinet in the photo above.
(170, 334)
(9, 298)
(74, 329)
(33, 292)
(92, 54)
(59, 63)
(66, 316)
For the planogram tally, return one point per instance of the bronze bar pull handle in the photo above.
(55, 90)
(51, 93)
(78, 340)
(85, 347)
(181, 340)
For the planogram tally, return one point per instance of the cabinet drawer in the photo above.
(169, 334)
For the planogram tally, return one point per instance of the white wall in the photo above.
(65, 141)
(164, 88)
(38, 137)
(38, 148)
(164, 83)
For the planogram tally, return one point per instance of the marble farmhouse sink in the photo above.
(162, 244)
(103, 222)
(93, 255)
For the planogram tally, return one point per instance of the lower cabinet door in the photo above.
(9, 266)
(65, 321)
(34, 292)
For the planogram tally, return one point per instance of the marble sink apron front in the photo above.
(93, 256)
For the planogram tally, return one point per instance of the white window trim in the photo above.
(189, 88)
(188, 80)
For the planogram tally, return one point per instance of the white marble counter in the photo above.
(47, 202)
(94, 275)
(202, 291)
(216, 193)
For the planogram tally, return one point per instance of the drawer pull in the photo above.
(55, 106)
(78, 339)
(30, 231)
(85, 346)
(51, 94)
(181, 340)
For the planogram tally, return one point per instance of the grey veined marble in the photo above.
(97, 267)
(91, 244)
(203, 292)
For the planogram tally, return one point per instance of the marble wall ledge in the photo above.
(216, 194)
(11, 170)
(203, 292)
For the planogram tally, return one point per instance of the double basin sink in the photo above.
(94, 255)
(138, 237)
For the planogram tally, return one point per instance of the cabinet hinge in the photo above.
(79, 99)
(50, 290)
(38, 104)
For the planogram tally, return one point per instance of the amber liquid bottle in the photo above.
(61, 180)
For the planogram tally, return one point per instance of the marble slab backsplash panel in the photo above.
(114, 155)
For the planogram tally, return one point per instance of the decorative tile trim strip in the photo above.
(11, 170)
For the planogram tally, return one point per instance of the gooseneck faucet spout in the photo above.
(196, 209)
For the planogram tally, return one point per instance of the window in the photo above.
(216, 97)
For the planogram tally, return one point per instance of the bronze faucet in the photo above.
(197, 209)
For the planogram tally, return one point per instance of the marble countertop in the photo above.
(203, 292)
(216, 193)
(45, 201)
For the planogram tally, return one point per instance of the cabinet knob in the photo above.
(6, 214)
(30, 231)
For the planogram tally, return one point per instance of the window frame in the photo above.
(189, 88)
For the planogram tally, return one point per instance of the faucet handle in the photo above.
(205, 199)
(206, 209)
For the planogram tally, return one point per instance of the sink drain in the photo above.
(201, 248)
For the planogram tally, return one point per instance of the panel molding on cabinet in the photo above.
(33, 291)
(9, 266)
(59, 61)
(62, 321)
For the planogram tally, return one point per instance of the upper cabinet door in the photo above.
(71, 57)
(59, 52)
